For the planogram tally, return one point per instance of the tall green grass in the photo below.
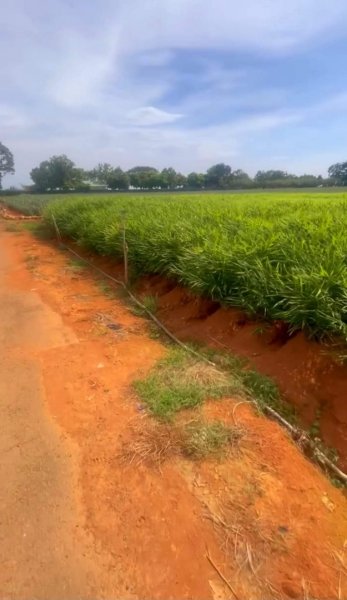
(27, 204)
(280, 256)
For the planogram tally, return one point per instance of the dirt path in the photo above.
(44, 551)
(78, 521)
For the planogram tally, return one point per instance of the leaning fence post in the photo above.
(56, 229)
(125, 256)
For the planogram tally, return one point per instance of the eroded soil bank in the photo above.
(309, 374)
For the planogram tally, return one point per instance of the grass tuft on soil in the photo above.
(76, 265)
(153, 443)
(182, 381)
(150, 304)
(38, 228)
(202, 439)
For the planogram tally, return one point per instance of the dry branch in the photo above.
(223, 578)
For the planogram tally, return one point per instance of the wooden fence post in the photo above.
(125, 256)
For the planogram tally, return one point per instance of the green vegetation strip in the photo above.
(280, 256)
(182, 380)
(28, 204)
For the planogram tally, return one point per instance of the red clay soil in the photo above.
(270, 521)
(307, 373)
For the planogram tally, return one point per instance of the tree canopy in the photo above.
(338, 172)
(6, 162)
(60, 173)
(218, 176)
(57, 173)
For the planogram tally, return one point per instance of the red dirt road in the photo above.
(78, 521)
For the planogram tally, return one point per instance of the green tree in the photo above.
(6, 162)
(181, 180)
(57, 173)
(100, 173)
(142, 177)
(218, 176)
(196, 181)
(153, 180)
(168, 179)
(308, 181)
(272, 178)
(338, 173)
(240, 180)
(117, 179)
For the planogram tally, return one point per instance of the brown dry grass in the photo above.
(153, 443)
(205, 375)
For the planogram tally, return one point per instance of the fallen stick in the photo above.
(223, 578)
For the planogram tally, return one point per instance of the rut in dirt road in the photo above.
(44, 552)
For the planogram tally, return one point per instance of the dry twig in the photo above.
(223, 578)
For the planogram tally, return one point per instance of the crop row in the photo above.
(279, 256)
(27, 204)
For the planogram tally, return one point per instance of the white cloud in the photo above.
(83, 68)
(149, 115)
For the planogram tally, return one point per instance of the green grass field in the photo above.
(26, 203)
(277, 255)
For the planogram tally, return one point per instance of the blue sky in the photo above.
(258, 84)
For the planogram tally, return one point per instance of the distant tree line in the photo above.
(59, 173)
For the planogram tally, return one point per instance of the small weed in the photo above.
(182, 381)
(314, 431)
(37, 228)
(201, 439)
(265, 392)
(260, 330)
(76, 265)
(105, 288)
(154, 332)
(150, 304)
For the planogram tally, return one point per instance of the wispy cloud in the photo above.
(149, 115)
